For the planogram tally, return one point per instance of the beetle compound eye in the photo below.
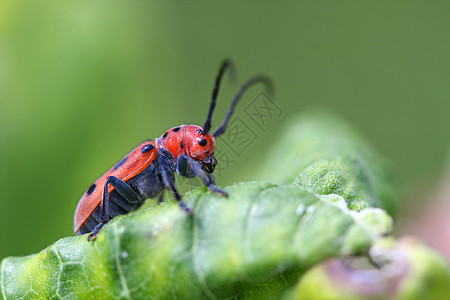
(202, 142)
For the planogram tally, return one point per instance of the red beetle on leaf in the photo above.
(149, 168)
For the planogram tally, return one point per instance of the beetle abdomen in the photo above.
(146, 183)
(118, 206)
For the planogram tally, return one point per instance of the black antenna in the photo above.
(226, 64)
(265, 80)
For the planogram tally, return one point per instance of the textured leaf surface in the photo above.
(257, 241)
(322, 154)
(252, 245)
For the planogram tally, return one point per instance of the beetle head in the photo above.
(200, 147)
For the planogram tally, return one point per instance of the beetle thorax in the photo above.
(189, 140)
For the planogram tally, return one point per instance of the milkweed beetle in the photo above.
(149, 168)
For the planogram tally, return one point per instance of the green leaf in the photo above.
(255, 242)
(324, 155)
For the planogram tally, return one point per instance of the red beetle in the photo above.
(149, 168)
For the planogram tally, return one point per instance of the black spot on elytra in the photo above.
(165, 135)
(91, 189)
(121, 162)
(202, 142)
(147, 148)
(176, 129)
(181, 145)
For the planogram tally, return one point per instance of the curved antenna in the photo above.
(263, 79)
(226, 64)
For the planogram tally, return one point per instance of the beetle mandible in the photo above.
(149, 168)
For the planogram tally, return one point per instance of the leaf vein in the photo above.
(123, 281)
(195, 263)
(59, 273)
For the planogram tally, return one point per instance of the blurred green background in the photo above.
(82, 82)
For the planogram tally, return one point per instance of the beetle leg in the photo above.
(206, 178)
(123, 189)
(170, 185)
(95, 231)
